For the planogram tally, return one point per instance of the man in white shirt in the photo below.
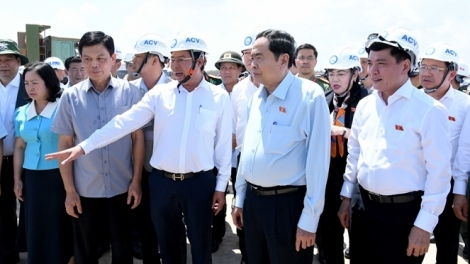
(239, 98)
(438, 68)
(191, 135)
(400, 156)
(231, 66)
(285, 157)
(12, 96)
(151, 51)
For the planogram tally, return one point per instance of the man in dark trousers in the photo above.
(12, 96)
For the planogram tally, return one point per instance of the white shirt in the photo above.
(192, 131)
(236, 151)
(241, 95)
(287, 142)
(148, 130)
(401, 147)
(458, 105)
(8, 97)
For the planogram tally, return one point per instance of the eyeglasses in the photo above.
(432, 69)
(180, 60)
(309, 58)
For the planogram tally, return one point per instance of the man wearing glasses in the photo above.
(305, 60)
(192, 135)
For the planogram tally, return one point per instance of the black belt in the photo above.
(390, 199)
(178, 176)
(262, 191)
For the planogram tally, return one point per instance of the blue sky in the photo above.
(326, 24)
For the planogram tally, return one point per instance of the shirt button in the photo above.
(102, 108)
(105, 161)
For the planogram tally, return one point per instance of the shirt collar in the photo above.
(15, 82)
(282, 89)
(112, 83)
(47, 112)
(204, 84)
(406, 90)
(449, 94)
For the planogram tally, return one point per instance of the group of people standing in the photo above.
(306, 160)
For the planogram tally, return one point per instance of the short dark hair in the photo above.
(47, 74)
(398, 54)
(305, 46)
(93, 38)
(280, 42)
(73, 59)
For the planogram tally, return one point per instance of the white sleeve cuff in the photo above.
(460, 187)
(347, 190)
(86, 146)
(308, 223)
(426, 221)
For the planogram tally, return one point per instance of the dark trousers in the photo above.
(240, 233)
(270, 224)
(148, 236)
(86, 229)
(332, 231)
(191, 197)
(218, 221)
(8, 212)
(447, 234)
(380, 232)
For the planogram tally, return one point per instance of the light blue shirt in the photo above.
(287, 142)
(35, 130)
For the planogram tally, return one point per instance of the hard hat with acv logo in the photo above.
(186, 40)
(153, 44)
(442, 52)
(398, 37)
(344, 58)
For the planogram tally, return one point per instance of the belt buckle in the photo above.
(175, 176)
(381, 199)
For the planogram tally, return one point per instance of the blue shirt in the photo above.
(3, 130)
(35, 130)
(287, 142)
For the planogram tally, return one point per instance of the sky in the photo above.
(224, 24)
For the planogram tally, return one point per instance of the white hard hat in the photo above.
(463, 70)
(344, 58)
(398, 37)
(118, 52)
(128, 57)
(363, 53)
(186, 40)
(442, 52)
(55, 63)
(153, 44)
(250, 39)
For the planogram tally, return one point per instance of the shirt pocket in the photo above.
(280, 140)
(206, 120)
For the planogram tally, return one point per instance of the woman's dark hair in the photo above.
(93, 38)
(280, 42)
(47, 74)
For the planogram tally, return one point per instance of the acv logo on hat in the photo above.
(248, 41)
(430, 51)
(173, 43)
(333, 59)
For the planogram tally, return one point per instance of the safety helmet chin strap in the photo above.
(191, 71)
(137, 73)
(432, 90)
